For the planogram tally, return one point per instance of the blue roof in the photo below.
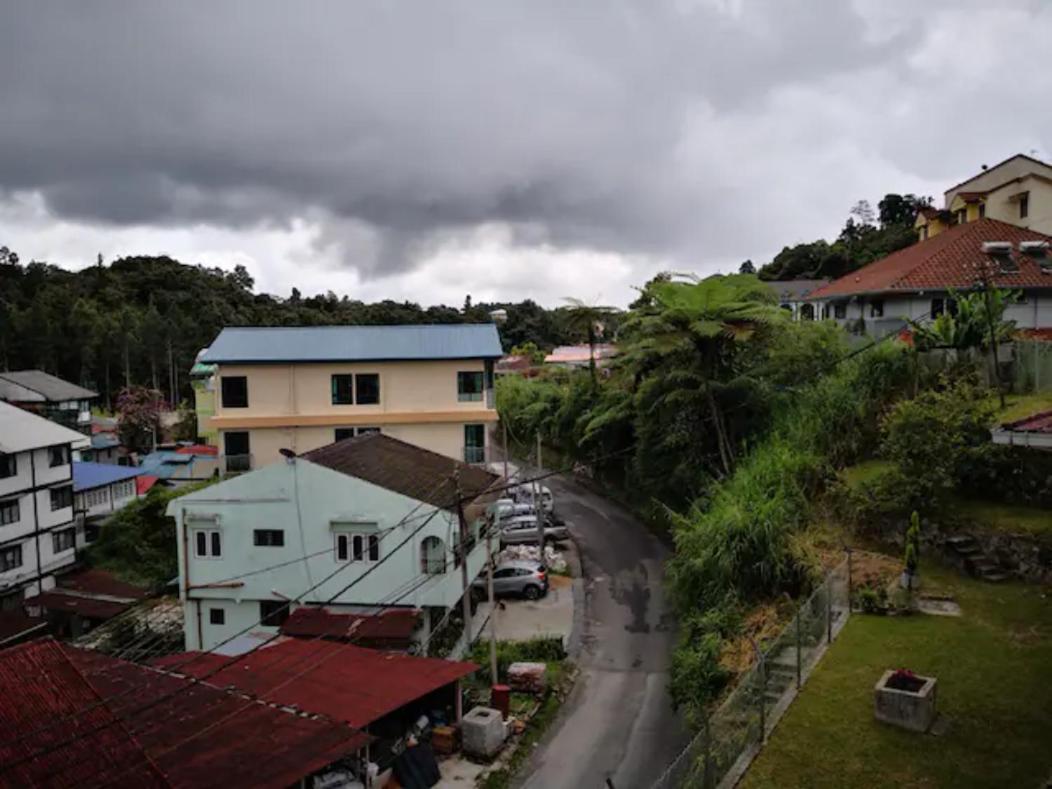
(354, 343)
(95, 475)
(104, 441)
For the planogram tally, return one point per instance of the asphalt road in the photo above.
(618, 722)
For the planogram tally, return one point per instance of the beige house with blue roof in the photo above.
(300, 388)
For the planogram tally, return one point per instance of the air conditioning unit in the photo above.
(1033, 247)
(997, 247)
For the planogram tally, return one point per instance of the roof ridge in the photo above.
(363, 326)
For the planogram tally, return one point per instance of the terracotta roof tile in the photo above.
(948, 260)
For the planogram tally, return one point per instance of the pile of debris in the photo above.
(553, 559)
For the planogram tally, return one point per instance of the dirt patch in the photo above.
(873, 569)
(763, 623)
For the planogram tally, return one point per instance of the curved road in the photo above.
(618, 722)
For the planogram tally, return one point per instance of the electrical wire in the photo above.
(456, 502)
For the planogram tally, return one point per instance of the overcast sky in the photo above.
(425, 150)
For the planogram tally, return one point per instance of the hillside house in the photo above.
(375, 517)
(915, 283)
(1017, 191)
(50, 397)
(305, 387)
(38, 531)
(792, 296)
(99, 490)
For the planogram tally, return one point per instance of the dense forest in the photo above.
(142, 320)
(867, 235)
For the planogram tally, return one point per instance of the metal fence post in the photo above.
(799, 646)
(850, 590)
(763, 700)
(829, 610)
(706, 778)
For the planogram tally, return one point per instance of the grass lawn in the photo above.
(1019, 406)
(1012, 518)
(867, 470)
(994, 667)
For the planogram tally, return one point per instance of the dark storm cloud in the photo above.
(397, 122)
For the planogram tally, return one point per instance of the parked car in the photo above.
(515, 577)
(523, 494)
(507, 508)
(523, 529)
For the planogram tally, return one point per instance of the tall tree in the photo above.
(588, 319)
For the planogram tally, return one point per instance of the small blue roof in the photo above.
(257, 345)
(104, 441)
(94, 475)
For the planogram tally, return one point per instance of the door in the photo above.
(237, 451)
(474, 443)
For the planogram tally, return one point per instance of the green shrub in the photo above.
(540, 650)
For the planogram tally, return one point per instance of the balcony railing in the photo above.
(236, 464)
(475, 455)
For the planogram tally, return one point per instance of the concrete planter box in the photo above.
(909, 706)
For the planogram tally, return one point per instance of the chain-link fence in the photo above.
(1032, 367)
(730, 738)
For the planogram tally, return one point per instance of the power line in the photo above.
(235, 659)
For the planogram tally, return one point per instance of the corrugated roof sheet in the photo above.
(102, 582)
(92, 608)
(947, 260)
(405, 468)
(392, 625)
(248, 743)
(88, 475)
(1035, 423)
(21, 430)
(16, 625)
(50, 387)
(39, 686)
(344, 682)
(104, 440)
(354, 343)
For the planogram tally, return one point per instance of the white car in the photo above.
(509, 508)
(523, 494)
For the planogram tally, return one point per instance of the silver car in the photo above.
(520, 577)
(522, 529)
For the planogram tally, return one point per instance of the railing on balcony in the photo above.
(475, 455)
(236, 464)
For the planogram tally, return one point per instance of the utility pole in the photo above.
(465, 600)
(538, 504)
(494, 679)
(504, 429)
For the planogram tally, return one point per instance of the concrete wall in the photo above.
(290, 406)
(328, 503)
(994, 177)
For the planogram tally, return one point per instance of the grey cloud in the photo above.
(396, 123)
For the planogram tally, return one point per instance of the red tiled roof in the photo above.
(1035, 423)
(198, 449)
(342, 681)
(93, 608)
(947, 260)
(39, 686)
(144, 482)
(243, 743)
(101, 582)
(393, 625)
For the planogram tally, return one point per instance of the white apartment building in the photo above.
(369, 521)
(38, 533)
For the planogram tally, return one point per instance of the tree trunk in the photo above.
(591, 350)
(726, 454)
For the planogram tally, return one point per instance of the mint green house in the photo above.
(369, 521)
